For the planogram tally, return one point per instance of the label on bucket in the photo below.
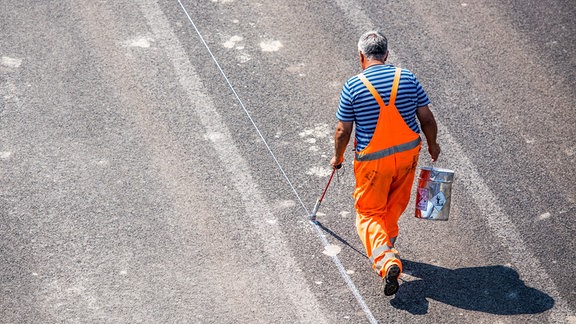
(422, 203)
(439, 200)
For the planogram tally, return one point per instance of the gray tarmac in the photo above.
(158, 161)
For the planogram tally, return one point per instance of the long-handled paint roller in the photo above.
(319, 201)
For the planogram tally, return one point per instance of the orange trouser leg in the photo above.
(382, 193)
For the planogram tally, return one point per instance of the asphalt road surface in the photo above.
(158, 160)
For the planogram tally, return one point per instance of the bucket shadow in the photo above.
(491, 289)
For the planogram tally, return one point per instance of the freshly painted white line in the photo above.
(325, 242)
(292, 279)
(499, 223)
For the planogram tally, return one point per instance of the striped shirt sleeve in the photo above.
(345, 110)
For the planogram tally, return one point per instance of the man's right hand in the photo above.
(336, 162)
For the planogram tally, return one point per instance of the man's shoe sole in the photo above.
(391, 280)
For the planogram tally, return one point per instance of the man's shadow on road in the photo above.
(491, 289)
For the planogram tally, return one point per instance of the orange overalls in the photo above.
(384, 173)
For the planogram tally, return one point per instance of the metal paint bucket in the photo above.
(434, 193)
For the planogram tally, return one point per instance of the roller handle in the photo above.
(319, 201)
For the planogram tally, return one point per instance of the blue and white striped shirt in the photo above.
(358, 105)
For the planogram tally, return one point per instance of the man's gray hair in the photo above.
(373, 45)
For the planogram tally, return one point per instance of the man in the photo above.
(383, 103)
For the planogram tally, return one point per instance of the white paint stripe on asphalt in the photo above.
(499, 223)
(325, 242)
(306, 307)
(347, 279)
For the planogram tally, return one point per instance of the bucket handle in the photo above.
(433, 174)
(435, 171)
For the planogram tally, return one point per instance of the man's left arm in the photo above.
(430, 129)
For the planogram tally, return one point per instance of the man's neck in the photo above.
(372, 63)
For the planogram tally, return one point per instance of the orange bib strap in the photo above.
(375, 93)
(395, 85)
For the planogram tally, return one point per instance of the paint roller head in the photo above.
(312, 216)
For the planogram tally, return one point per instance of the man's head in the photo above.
(373, 45)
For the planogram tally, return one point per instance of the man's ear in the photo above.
(386, 56)
(362, 59)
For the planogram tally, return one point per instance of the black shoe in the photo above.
(391, 280)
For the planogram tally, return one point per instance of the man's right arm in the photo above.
(430, 130)
(341, 139)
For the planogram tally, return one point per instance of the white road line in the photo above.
(306, 307)
(499, 223)
(325, 242)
